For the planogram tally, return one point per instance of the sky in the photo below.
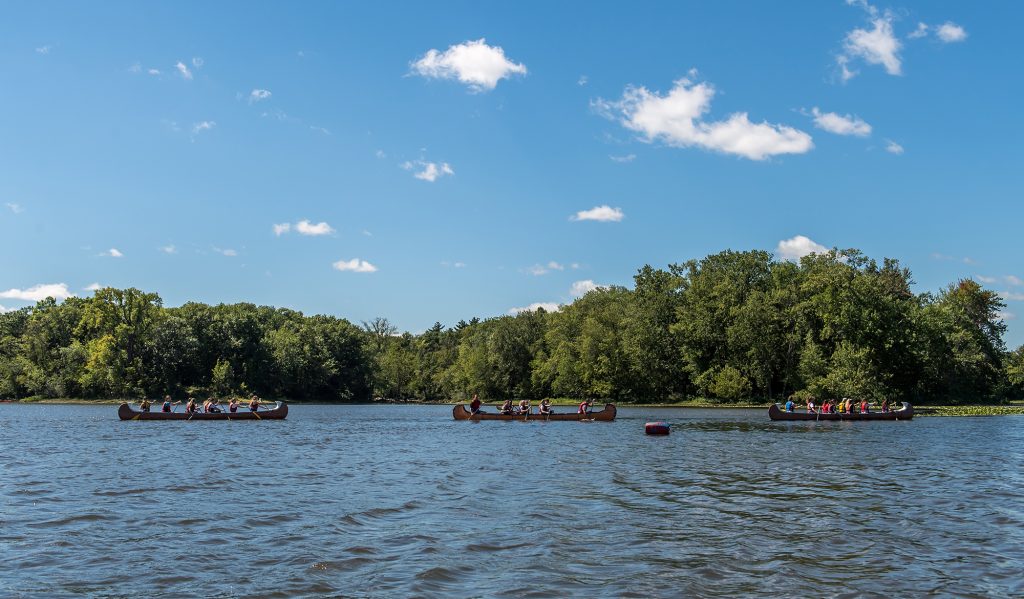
(436, 162)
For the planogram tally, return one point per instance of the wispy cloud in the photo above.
(797, 247)
(543, 269)
(14, 207)
(44, 49)
(677, 119)
(1012, 280)
(602, 213)
(282, 228)
(112, 253)
(198, 62)
(893, 147)
(1006, 315)
(947, 258)
(202, 126)
(354, 265)
(58, 291)
(950, 32)
(230, 253)
(473, 63)
(921, 31)
(546, 306)
(183, 70)
(258, 95)
(840, 124)
(626, 158)
(428, 171)
(1007, 295)
(323, 130)
(168, 249)
(582, 80)
(987, 280)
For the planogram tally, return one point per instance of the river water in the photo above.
(389, 501)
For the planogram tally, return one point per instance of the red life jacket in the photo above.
(583, 408)
(475, 405)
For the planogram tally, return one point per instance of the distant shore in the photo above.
(1014, 409)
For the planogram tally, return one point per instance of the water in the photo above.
(402, 500)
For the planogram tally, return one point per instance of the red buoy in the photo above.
(656, 428)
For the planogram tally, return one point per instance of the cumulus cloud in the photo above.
(950, 32)
(112, 253)
(304, 227)
(183, 70)
(603, 213)
(198, 128)
(840, 124)
(257, 95)
(547, 306)
(797, 247)
(58, 291)
(282, 228)
(877, 45)
(473, 63)
(893, 147)
(428, 171)
(354, 265)
(581, 288)
(677, 119)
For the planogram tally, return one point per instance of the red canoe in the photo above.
(904, 413)
(278, 412)
(606, 415)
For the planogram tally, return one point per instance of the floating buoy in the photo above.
(656, 428)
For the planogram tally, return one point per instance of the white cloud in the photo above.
(58, 291)
(3, 309)
(183, 70)
(112, 253)
(988, 280)
(1007, 295)
(676, 120)
(459, 265)
(169, 249)
(153, 71)
(797, 247)
(581, 288)
(950, 32)
(304, 227)
(1012, 280)
(93, 287)
(921, 31)
(447, 264)
(15, 208)
(543, 269)
(197, 61)
(44, 49)
(548, 307)
(877, 45)
(602, 213)
(582, 80)
(840, 124)
(230, 253)
(318, 129)
(1005, 315)
(198, 128)
(431, 171)
(257, 95)
(354, 265)
(380, 154)
(626, 158)
(473, 63)
(893, 147)
(282, 228)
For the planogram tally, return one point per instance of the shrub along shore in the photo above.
(727, 327)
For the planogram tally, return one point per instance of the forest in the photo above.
(731, 326)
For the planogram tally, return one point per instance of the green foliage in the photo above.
(732, 325)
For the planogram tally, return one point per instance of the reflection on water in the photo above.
(402, 500)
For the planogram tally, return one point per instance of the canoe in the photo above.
(606, 415)
(278, 412)
(904, 413)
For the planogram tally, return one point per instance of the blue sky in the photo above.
(424, 174)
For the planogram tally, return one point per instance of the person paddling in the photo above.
(810, 405)
(865, 407)
(790, 406)
(144, 405)
(191, 407)
(254, 403)
(168, 406)
(524, 407)
(233, 405)
(885, 405)
(474, 406)
(506, 408)
(584, 408)
(545, 407)
(214, 407)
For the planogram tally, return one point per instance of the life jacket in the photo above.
(254, 405)
(475, 404)
(583, 408)
(233, 407)
(167, 406)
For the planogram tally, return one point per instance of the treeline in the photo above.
(734, 325)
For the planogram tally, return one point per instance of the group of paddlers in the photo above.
(509, 408)
(210, 406)
(843, 406)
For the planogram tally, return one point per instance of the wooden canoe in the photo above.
(606, 415)
(904, 413)
(278, 412)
